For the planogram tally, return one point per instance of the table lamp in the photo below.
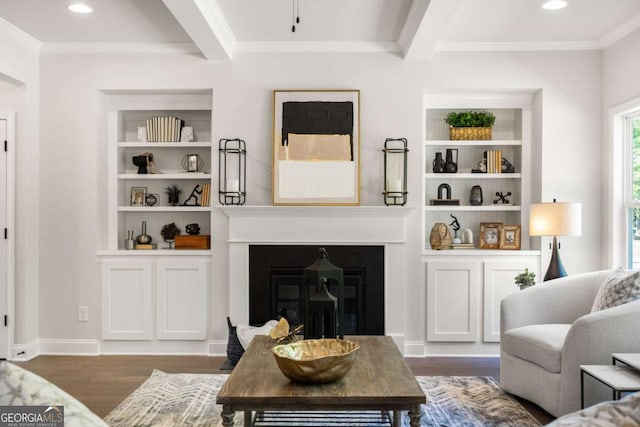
(555, 219)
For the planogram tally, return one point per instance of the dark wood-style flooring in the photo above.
(102, 382)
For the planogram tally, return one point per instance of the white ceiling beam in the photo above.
(205, 23)
(426, 21)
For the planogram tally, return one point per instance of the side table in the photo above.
(629, 359)
(620, 378)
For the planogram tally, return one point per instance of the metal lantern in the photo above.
(320, 319)
(232, 171)
(395, 171)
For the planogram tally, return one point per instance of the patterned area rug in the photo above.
(168, 400)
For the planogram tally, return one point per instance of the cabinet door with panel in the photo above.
(498, 284)
(127, 289)
(182, 295)
(453, 299)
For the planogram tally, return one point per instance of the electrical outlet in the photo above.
(83, 313)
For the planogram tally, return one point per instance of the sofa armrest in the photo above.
(558, 301)
(593, 338)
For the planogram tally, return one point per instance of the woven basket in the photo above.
(467, 134)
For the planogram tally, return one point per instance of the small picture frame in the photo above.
(490, 235)
(138, 196)
(510, 237)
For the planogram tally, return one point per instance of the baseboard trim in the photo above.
(218, 348)
(414, 349)
(69, 347)
(24, 352)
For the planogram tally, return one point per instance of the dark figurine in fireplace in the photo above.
(319, 322)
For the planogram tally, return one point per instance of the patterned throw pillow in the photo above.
(620, 287)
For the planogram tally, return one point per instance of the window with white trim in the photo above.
(632, 190)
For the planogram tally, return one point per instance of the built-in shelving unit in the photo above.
(195, 109)
(511, 135)
(464, 287)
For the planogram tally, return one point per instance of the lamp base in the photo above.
(556, 269)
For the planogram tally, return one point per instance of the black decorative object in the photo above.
(438, 163)
(395, 171)
(451, 165)
(455, 225)
(142, 161)
(318, 319)
(194, 195)
(151, 199)
(193, 229)
(173, 191)
(507, 166)
(475, 196)
(444, 199)
(169, 233)
(232, 171)
(502, 198)
(234, 348)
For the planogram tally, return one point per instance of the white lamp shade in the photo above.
(555, 219)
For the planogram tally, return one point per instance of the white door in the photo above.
(4, 245)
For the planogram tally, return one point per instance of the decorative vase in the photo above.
(143, 237)
(451, 166)
(475, 197)
(438, 163)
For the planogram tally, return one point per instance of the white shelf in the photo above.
(155, 252)
(472, 208)
(474, 143)
(164, 209)
(175, 144)
(472, 175)
(165, 176)
(479, 252)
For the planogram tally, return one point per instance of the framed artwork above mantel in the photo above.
(316, 147)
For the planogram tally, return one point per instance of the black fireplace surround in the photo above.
(276, 284)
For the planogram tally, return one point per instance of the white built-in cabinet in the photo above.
(464, 287)
(464, 294)
(161, 294)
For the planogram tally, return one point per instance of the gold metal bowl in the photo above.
(316, 361)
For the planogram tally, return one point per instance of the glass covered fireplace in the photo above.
(276, 284)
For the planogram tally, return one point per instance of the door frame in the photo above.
(9, 116)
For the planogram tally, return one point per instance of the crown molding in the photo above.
(310, 46)
(25, 37)
(119, 48)
(516, 46)
(620, 32)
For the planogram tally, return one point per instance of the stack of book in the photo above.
(206, 194)
(462, 246)
(164, 129)
(494, 161)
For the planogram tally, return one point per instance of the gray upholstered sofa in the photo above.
(548, 331)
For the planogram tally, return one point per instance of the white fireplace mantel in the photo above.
(342, 225)
(317, 224)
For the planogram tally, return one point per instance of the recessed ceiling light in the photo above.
(554, 4)
(80, 8)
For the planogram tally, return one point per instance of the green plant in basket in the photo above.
(525, 279)
(466, 119)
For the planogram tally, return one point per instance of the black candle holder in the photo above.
(232, 184)
(395, 182)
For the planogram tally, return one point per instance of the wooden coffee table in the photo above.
(379, 380)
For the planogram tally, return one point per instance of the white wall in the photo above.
(19, 92)
(620, 64)
(391, 89)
